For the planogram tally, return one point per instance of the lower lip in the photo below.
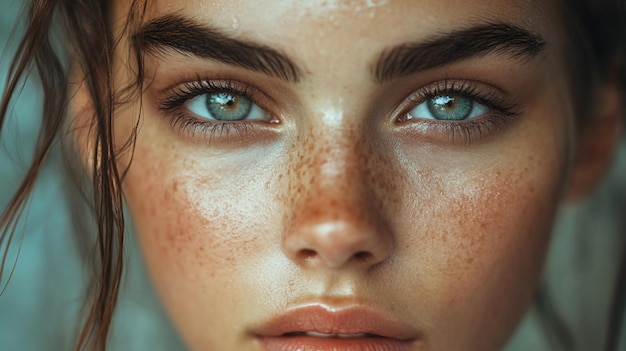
(311, 343)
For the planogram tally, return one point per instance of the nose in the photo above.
(335, 243)
(337, 219)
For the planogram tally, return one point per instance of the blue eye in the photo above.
(225, 106)
(448, 108)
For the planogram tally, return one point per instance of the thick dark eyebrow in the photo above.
(190, 38)
(456, 46)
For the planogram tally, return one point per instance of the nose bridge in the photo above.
(334, 178)
(337, 169)
(335, 219)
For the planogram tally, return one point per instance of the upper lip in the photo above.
(326, 319)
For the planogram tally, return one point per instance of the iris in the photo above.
(450, 107)
(224, 106)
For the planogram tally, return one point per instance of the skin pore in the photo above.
(330, 196)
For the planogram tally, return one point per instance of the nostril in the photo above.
(306, 254)
(363, 256)
(335, 243)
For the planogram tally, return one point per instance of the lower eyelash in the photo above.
(190, 125)
(459, 133)
(471, 131)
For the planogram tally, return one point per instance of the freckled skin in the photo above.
(340, 203)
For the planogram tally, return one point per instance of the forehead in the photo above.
(327, 19)
(320, 34)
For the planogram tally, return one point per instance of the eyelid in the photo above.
(485, 94)
(488, 95)
(171, 103)
(502, 112)
(177, 95)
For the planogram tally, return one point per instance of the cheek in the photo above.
(199, 227)
(475, 233)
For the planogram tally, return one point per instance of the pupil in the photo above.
(446, 102)
(223, 99)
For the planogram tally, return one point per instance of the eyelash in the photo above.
(500, 112)
(176, 97)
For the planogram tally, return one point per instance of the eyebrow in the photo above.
(183, 35)
(187, 37)
(464, 44)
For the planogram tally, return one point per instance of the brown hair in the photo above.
(90, 44)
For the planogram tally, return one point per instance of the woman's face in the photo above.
(384, 170)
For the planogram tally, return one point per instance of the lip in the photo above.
(368, 328)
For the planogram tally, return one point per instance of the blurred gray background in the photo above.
(44, 279)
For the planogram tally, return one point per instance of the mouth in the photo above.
(323, 328)
(323, 335)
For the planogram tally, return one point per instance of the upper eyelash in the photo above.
(465, 132)
(491, 99)
(179, 95)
